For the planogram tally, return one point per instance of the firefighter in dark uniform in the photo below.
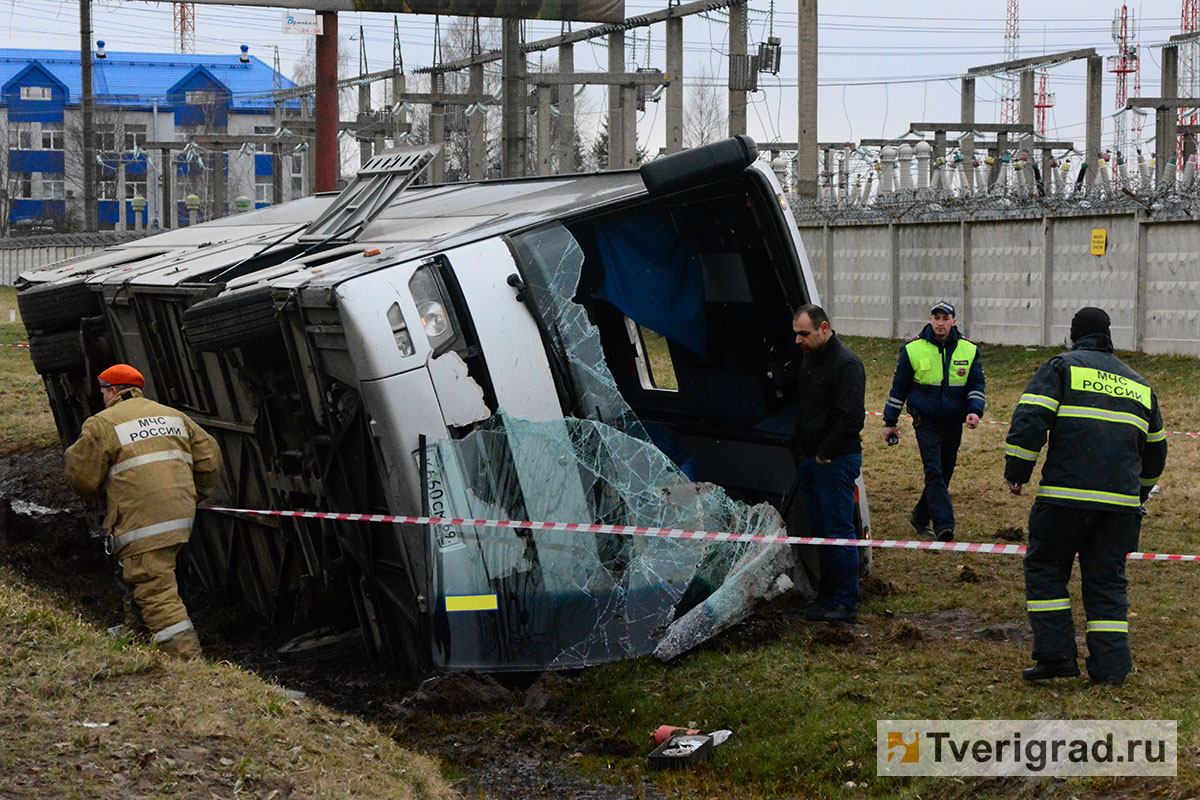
(1107, 450)
(941, 376)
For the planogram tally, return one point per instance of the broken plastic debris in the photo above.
(720, 737)
(94, 724)
(681, 750)
(750, 579)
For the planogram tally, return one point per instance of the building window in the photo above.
(263, 130)
(135, 137)
(106, 138)
(37, 93)
(264, 189)
(22, 185)
(297, 175)
(202, 98)
(20, 138)
(53, 189)
(52, 136)
(106, 189)
(133, 188)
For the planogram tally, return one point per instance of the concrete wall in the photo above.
(1014, 281)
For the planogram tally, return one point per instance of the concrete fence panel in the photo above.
(1005, 269)
(858, 279)
(1082, 278)
(1170, 287)
(931, 269)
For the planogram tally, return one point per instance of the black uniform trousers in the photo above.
(1102, 539)
(938, 443)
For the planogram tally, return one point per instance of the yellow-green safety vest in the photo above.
(927, 364)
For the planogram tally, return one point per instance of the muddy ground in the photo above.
(505, 740)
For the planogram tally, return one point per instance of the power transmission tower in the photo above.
(185, 27)
(1010, 101)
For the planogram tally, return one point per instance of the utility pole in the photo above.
(327, 104)
(806, 132)
(90, 222)
(675, 89)
(737, 54)
(513, 88)
(364, 99)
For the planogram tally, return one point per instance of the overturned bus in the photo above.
(609, 348)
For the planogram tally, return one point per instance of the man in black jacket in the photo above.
(828, 451)
(1107, 450)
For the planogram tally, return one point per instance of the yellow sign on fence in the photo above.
(1099, 241)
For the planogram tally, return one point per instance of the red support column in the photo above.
(327, 104)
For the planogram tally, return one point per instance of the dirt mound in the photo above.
(458, 693)
(36, 476)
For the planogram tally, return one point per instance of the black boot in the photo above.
(1045, 670)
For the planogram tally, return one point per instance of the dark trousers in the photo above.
(827, 492)
(1102, 539)
(938, 442)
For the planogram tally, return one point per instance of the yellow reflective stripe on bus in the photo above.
(472, 602)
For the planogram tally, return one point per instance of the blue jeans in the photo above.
(827, 491)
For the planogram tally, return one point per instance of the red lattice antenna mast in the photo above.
(1044, 100)
(1010, 103)
(1189, 63)
(185, 27)
(1121, 65)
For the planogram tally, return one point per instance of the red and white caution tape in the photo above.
(675, 533)
(22, 344)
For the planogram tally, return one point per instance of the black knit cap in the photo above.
(1087, 320)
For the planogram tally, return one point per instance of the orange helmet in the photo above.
(121, 375)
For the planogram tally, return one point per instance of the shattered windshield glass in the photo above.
(513, 599)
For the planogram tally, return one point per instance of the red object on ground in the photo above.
(665, 732)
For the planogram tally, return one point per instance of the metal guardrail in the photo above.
(21, 253)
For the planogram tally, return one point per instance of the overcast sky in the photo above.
(880, 68)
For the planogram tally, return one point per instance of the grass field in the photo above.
(25, 419)
(945, 637)
(89, 716)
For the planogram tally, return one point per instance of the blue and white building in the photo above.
(140, 98)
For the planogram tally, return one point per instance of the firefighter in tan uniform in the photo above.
(150, 463)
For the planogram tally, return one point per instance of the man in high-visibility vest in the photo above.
(1107, 450)
(150, 462)
(941, 376)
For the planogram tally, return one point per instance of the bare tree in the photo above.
(705, 118)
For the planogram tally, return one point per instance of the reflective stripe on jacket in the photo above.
(941, 381)
(150, 463)
(1107, 443)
